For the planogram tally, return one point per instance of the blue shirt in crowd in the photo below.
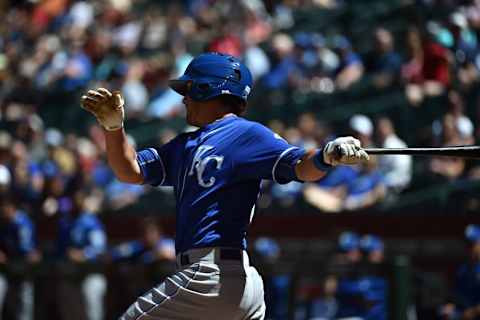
(137, 251)
(468, 285)
(17, 238)
(86, 232)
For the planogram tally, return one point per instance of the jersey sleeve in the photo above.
(156, 164)
(263, 154)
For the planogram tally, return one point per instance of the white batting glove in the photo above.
(106, 106)
(344, 150)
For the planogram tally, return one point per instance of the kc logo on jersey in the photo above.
(200, 163)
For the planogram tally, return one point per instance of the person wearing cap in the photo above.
(82, 240)
(368, 187)
(277, 285)
(396, 169)
(220, 167)
(466, 296)
(17, 248)
(349, 294)
(373, 282)
(373, 248)
(350, 68)
(468, 276)
(362, 128)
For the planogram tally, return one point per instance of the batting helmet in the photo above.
(213, 74)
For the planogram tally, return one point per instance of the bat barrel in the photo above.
(472, 152)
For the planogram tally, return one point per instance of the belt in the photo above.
(212, 255)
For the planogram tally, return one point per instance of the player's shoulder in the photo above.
(254, 128)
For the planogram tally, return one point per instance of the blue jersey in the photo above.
(468, 285)
(216, 173)
(17, 238)
(137, 251)
(86, 232)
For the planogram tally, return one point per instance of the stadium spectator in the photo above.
(329, 193)
(349, 188)
(134, 91)
(52, 50)
(326, 306)
(308, 126)
(448, 169)
(384, 62)
(411, 70)
(464, 49)
(427, 72)
(18, 248)
(266, 253)
(82, 239)
(153, 246)
(373, 282)
(397, 170)
(284, 63)
(346, 262)
(464, 126)
(362, 128)
(350, 68)
(367, 189)
(466, 300)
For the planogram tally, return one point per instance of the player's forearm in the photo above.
(121, 157)
(306, 170)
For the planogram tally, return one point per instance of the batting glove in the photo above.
(344, 150)
(106, 106)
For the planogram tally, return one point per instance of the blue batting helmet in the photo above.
(213, 74)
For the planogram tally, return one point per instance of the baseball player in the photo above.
(216, 173)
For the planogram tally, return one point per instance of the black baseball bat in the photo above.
(471, 152)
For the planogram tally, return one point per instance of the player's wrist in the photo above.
(113, 122)
(319, 161)
(111, 128)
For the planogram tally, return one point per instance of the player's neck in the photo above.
(205, 113)
(215, 114)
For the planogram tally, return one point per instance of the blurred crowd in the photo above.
(76, 264)
(356, 282)
(51, 152)
(52, 51)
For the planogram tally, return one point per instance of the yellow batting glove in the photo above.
(106, 106)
